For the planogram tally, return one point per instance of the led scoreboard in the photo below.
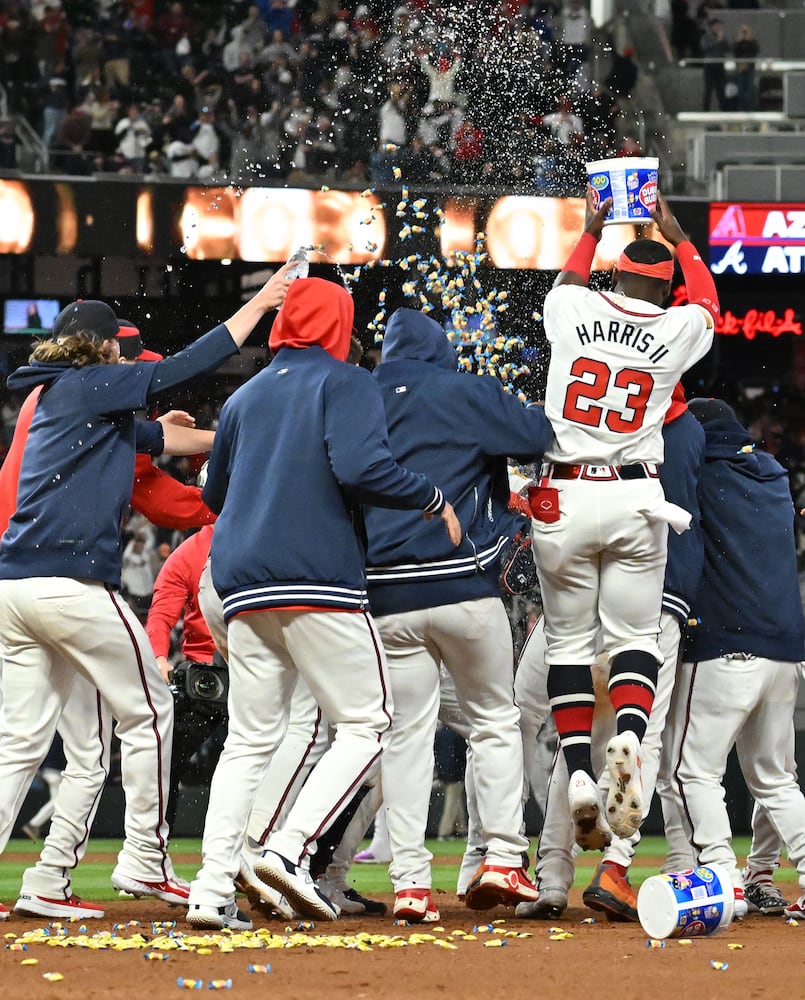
(757, 238)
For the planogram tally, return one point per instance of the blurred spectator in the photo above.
(54, 108)
(685, 34)
(206, 143)
(468, 153)
(174, 32)
(392, 127)
(715, 49)
(133, 137)
(102, 112)
(623, 75)
(137, 575)
(564, 123)
(746, 49)
(575, 37)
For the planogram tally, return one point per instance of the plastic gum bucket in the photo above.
(631, 182)
(693, 903)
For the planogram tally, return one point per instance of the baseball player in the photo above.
(434, 605)
(86, 722)
(600, 518)
(290, 434)
(610, 889)
(60, 566)
(739, 678)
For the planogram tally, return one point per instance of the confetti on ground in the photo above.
(495, 943)
(735, 947)
(52, 977)
(30, 961)
(587, 920)
(792, 922)
(263, 969)
(654, 943)
(219, 984)
(719, 966)
(684, 941)
(561, 936)
(190, 984)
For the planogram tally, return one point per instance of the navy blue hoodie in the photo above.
(458, 429)
(298, 449)
(683, 439)
(77, 469)
(749, 599)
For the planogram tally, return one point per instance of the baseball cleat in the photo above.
(368, 858)
(765, 898)
(797, 909)
(4, 914)
(173, 890)
(31, 905)
(592, 831)
(296, 884)
(349, 901)
(416, 906)
(625, 795)
(470, 867)
(551, 904)
(218, 918)
(611, 893)
(496, 885)
(262, 897)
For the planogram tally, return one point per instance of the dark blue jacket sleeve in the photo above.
(504, 425)
(149, 437)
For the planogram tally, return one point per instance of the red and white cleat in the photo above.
(495, 885)
(415, 906)
(31, 905)
(173, 890)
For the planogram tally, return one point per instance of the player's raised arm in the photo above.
(577, 269)
(698, 280)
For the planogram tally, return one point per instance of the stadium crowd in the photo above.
(520, 94)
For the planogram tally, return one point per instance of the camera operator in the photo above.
(200, 682)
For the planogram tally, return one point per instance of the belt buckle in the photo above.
(599, 473)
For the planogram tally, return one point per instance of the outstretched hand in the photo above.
(451, 522)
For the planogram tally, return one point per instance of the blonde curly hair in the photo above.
(80, 349)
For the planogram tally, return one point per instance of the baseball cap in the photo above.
(705, 410)
(131, 344)
(87, 316)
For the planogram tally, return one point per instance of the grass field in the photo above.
(92, 878)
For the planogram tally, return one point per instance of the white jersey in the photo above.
(614, 364)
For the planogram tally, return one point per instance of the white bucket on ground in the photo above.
(692, 903)
(631, 182)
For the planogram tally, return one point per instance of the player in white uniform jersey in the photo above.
(600, 516)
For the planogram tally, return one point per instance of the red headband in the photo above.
(663, 269)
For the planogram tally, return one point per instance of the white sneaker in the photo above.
(296, 884)
(216, 918)
(592, 831)
(625, 795)
(263, 897)
(741, 906)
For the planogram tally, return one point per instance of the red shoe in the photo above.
(416, 906)
(496, 885)
(173, 890)
(30, 905)
(797, 909)
(3, 912)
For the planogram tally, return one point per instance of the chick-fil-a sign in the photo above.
(752, 322)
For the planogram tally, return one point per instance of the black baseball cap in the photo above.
(87, 316)
(706, 410)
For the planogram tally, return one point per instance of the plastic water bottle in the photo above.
(301, 264)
